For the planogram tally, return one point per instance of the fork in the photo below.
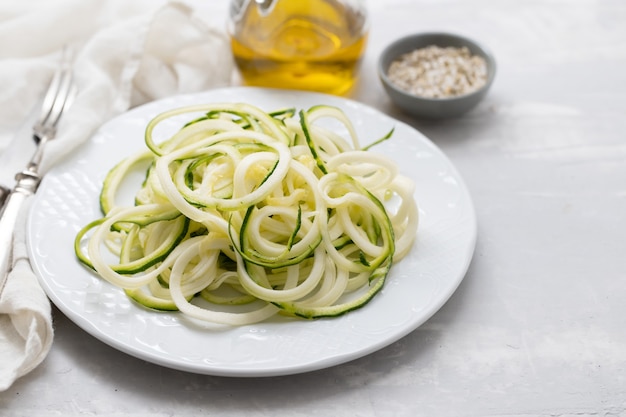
(4, 192)
(57, 99)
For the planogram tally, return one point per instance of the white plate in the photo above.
(416, 288)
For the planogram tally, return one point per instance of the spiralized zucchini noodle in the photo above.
(245, 214)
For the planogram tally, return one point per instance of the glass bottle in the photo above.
(299, 44)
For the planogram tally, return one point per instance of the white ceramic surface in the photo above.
(417, 286)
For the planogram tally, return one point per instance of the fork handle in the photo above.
(27, 183)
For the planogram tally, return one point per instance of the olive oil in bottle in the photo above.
(299, 44)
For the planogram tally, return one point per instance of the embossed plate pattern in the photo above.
(417, 286)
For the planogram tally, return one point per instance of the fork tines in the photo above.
(57, 97)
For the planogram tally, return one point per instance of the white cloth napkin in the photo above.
(126, 53)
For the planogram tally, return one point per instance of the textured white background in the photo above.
(538, 326)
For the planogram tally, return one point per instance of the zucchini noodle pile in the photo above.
(245, 214)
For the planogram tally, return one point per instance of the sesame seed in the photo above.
(436, 72)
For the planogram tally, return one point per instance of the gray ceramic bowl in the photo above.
(434, 108)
